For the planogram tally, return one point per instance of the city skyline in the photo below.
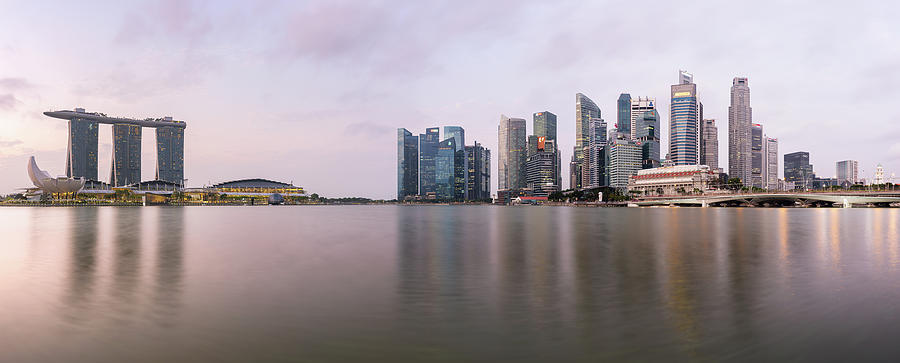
(251, 94)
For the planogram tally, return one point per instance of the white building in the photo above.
(670, 180)
(770, 171)
(624, 160)
(638, 107)
(879, 175)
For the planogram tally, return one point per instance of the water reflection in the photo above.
(126, 262)
(169, 265)
(79, 292)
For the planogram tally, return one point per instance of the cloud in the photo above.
(367, 128)
(8, 102)
(9, 143)
(14, 84)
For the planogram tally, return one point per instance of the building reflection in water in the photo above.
(126, 261)
(169, 265)
(79, 292)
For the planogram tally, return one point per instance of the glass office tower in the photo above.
(513, 153)
(407, 164)
(585, 110)
(647, 138)
(623, 117)
(445, 170)
(684, 122)
(544, 124)
(428, 147)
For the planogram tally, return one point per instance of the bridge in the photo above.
(776, 200)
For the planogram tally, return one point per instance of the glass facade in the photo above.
(623, 119)
(541, 168)
(81, 155)
(445, 177)
(407, 164)
(428, 147)
(647, 138)
(684, 125)
(544, 124)
(478, 176)
(585, 110)
(126, 160)
(709, 144)
(457, 133)
(513, 153)
(798, 170)
(170, 154)
(757, 159)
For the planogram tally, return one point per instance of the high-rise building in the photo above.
(623, 160)
(847, 172)
(771, 164)
(684, 122)
(478, 182)
(646, 136)
(81, 152)
(126, 160)
(879, 175)
(541, 168)
(544, 124)
(624, 119)
(639, 106)
(170, 154)
(457, 133)
(757, 157)
(585, 110)
(447, 179)
(511, 166)
(592, 165)
(428, 148)
(407, 164)
(798, 170)
(740, 117)
(709, 144)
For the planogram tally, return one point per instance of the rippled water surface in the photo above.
(448, 283)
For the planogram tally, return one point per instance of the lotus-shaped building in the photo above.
(49, 184)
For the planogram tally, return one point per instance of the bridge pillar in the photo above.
(847, 203)
(704, 204)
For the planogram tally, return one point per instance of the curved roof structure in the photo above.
(253, 183)
(104, 119)
(45, 182)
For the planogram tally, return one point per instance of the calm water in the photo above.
(448, 283)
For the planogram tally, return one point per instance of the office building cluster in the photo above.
(616, 154)
(441, 169)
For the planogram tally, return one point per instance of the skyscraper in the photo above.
(646, 132)
(585, 110)
(847, 172)
(623, 160)
(407, 164)
(740, 117)
(81, 152)
(757, 157)
(478, 183)
(684, 122)
(879, 175)
(544, 124)
(170, 154)
(771, 167)
(639, 106)
(798, 170)
(709, 144)
(624, 117)
(511, 166)
(126, 160)
(592, 165)
(428, 148)
(457, 133)
(541, 168)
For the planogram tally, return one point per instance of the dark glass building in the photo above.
(623, 117)
(756, 156)
(457, 133)
(478, 176)
(798, 170)
(647, 138)
(170, 154)
(541, 168)
(81, 153)
(428, 148)
(407, 164)
(446, 177)
(126, 160)
(544, 124)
